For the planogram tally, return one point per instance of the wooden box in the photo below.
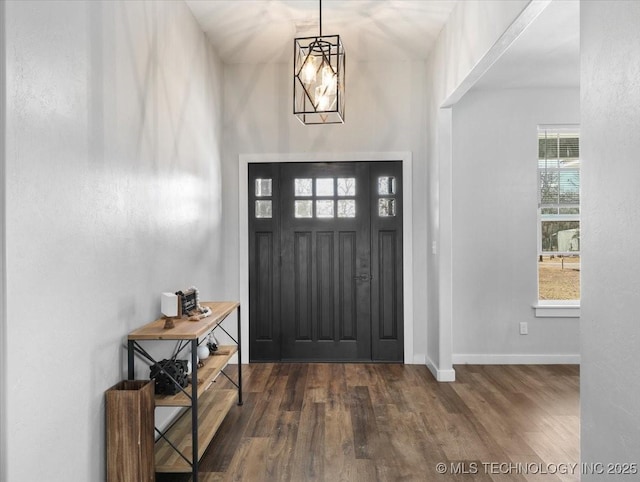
(130, 440)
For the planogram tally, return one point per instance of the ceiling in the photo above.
(262, 31)
(547, 54)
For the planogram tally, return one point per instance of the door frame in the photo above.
(407, 229)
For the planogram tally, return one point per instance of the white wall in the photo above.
(473, 28)
(385, 111)
(495, 150)
(610, 332)
(3, 317)
(113, 195)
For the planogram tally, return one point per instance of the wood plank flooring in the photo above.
(389, 422)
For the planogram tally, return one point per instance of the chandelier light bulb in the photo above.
(323, 101)
(308, 73)
(329, 80)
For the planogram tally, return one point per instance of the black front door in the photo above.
(326, 261)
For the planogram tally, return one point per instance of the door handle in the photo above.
(363, 277)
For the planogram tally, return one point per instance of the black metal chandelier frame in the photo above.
(318, 78)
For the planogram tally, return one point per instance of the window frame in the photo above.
(554, 308)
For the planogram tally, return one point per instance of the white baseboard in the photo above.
(441, 375)
(483, 359)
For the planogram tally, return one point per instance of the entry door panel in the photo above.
(387, 306)
(264, 263)
(325, 262)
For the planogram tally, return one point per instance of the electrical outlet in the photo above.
(524, 328)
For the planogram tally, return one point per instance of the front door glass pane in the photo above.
(263, 209)
(346, 208)
(346, 186)
(386, 207)
(386, 185)
(303, 209)
(324, 187)
(324, 209)
(303, 187)
(263, 187)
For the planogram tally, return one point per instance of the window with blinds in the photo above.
(558, 213)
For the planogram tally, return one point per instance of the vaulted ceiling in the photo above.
(257, 31)
(262, 31)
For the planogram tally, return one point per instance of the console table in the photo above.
(207, 407)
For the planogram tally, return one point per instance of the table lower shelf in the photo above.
(213, 406)
(212, 366)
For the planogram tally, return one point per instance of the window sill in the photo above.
(557, 310)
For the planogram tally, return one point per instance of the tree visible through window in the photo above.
(558, 213)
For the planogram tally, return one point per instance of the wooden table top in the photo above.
(185, 329)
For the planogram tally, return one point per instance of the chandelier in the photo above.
(318, 78)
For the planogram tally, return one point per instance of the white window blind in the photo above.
(559, 191)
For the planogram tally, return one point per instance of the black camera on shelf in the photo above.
(163, 372)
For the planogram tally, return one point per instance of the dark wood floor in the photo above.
(379, 422)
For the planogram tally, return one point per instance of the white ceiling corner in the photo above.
(546, 55)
